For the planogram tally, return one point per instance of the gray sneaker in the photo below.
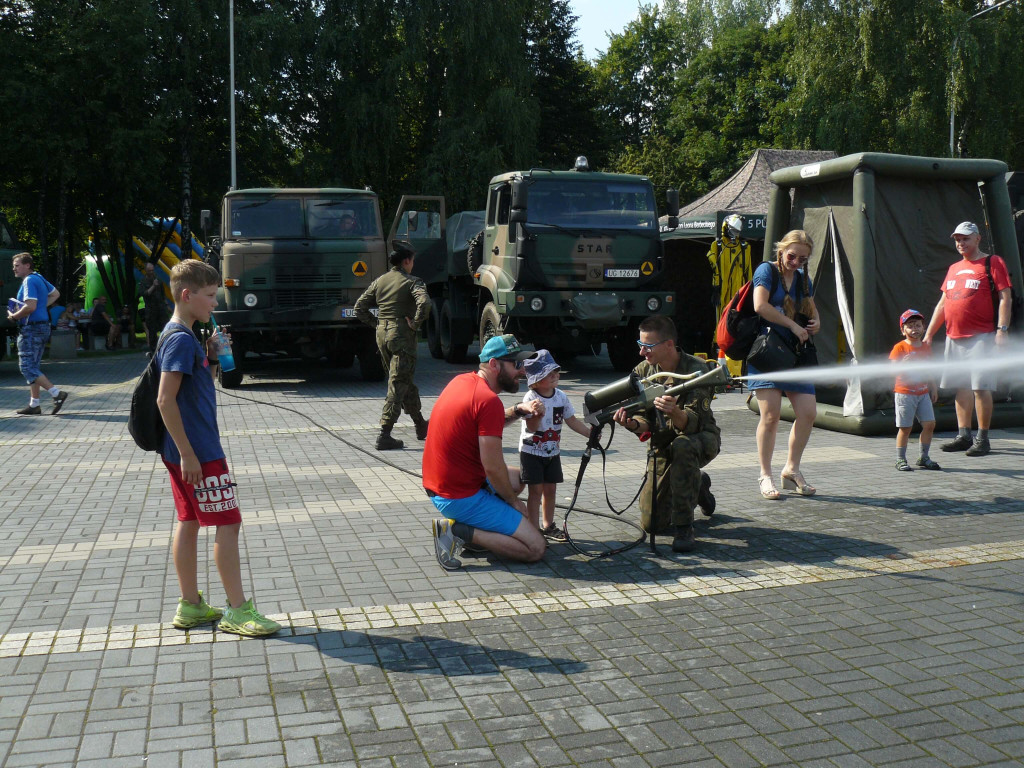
(447, 546)
(980, 447)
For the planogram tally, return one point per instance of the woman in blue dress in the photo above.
(788, 309)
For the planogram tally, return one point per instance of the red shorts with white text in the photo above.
(212, 502)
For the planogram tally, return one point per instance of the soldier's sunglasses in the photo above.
(644, 345)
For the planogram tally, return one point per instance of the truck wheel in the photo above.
(371, 367)
(475, 254)
(229, 379)
(490, 322)
(452, 353)
(434, 329)
(622, 351)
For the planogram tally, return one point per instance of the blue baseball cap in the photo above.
(505, 347)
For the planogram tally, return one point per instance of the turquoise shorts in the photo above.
(482, 510)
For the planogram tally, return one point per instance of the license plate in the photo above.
(622, 273)
(348, 312)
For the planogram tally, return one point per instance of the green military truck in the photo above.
(566, 260)
(9, 284)
(293, 262)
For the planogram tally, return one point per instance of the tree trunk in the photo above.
(61, 260)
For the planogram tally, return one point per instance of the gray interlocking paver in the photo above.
(860, 664)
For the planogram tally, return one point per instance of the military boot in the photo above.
(385, 442)
(684, 540)
(421, 427)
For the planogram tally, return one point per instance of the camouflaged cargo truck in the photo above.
(293, 262)
(566, 260)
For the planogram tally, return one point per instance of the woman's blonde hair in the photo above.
(796, 237)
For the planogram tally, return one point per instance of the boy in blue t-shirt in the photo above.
(30, 312)
(203, 492)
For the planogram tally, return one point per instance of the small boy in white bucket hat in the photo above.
(539, 441)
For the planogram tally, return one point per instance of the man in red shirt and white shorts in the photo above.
(464, 471)
(976, 325)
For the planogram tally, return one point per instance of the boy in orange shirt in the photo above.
(913, 397)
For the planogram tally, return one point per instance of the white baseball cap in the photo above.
(965, 228)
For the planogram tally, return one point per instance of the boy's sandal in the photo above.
(767, 486)
(553, 532)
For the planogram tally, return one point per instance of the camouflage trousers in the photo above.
(677, 465)
(397, 344)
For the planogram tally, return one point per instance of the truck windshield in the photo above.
(349, 217)
(265, 217)
(319, 218)
(591, 203)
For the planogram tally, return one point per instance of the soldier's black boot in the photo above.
(385, 442)
(421, 427)
(684, 540)
(705, 498)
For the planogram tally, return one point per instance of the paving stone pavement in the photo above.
(877, 623)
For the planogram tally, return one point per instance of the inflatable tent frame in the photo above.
(887, 219)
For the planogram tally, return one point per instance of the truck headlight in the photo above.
(653, 304)
(536, 303)
(250, 300)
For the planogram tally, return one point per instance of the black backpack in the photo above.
(145, 424)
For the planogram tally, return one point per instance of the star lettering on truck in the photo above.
(359, 268)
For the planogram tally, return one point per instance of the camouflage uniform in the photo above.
(156, 307)
(397, 296)
(678, 455)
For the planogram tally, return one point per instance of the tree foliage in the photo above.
(116, 111)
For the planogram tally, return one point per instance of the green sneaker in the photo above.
(246, 620)
(190, 615)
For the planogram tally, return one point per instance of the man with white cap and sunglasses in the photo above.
(975, 308)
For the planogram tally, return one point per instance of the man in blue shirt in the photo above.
(33, 319)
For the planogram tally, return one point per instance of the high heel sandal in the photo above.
(795, 482)
(767, 486)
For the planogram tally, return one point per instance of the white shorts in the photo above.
(971, 348)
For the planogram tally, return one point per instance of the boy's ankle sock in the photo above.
(901, 452)
(463, 531)
(964, 432)
(982, 434)
(924, 450)
(54, 390)
(33, 402)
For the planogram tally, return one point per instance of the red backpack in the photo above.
(739, 324)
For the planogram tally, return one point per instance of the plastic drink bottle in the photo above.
(224, 355)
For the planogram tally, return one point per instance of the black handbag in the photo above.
(771, 352)
(807, 356)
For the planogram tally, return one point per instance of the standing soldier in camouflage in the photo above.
(402, 306)
(683, 440)
(152, 291)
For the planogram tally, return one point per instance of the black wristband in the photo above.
(516, 413)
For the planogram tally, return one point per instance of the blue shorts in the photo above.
(32, 340)
(482, 510)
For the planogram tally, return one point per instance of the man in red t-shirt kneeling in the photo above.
(464, 471)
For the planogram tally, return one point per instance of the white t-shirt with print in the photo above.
(545, 441)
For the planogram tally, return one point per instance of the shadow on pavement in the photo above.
(428, 654)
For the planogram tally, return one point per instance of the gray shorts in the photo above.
(972, 348)
(909, 406)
